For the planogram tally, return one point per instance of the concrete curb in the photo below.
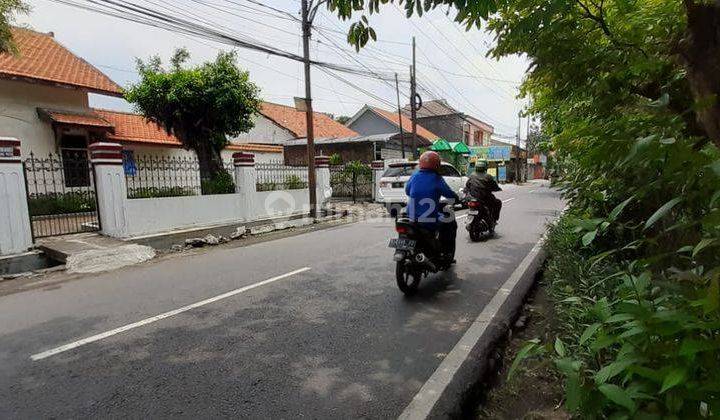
(444, 393)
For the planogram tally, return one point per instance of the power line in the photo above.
(140, 14)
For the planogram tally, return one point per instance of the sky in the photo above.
(451, 62)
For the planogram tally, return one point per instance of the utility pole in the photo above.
(307, 17)
(517, 151)
(413, 104)
(402, 135)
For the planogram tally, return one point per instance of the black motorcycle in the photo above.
(480, 221)
(417, 254)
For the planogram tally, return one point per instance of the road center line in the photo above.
(146, 321)
(508, 200)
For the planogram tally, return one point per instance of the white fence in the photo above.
(125, 217)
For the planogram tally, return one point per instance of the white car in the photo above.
(391, 191)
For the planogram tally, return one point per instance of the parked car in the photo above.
(391, 191)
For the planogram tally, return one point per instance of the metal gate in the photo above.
(351, 181)
(61, 193)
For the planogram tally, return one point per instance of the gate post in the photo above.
(322, 179)
(15, 233)
(246, 182)
(378, 166)
(110, 188)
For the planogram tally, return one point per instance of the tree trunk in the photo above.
(700, 53)
(209, 161)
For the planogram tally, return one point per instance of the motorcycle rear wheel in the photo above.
(407, 280)
(475, 235)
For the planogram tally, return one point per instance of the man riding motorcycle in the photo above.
(424, 189)
(481, 186)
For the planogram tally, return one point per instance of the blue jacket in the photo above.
(424, 189)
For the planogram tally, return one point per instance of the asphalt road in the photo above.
(333, 339)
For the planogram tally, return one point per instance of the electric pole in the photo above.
(413, 103)
(517, 151)
(307, 17)
(402, 135)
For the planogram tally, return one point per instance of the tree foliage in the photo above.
(200, 105)
(686, 33)
(8, 10)
(627, 95)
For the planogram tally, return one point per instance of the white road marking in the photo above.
(532, 191)
(508, 200)
(146, 321)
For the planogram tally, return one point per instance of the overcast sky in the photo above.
(478, 86)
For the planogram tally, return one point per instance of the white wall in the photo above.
(153, 215)
(18, 112)
(15, 233)
(265, 131)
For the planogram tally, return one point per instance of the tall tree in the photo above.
(200, 105)
(692, 38)
(8, 10)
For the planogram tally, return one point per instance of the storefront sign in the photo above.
(492, 153)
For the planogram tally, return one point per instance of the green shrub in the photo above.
(294, 182)
(266, 186)
(222, 183)
(158, 192)
(336, 159)
(61, 203)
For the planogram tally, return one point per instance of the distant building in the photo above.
(452, 125)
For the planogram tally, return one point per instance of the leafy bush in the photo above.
(294, 182)
(61, 203)
(634, 340)
(336, 159)
(222, 183)
(158, 192)
(266, 186)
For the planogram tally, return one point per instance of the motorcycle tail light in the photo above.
(474, 204)
(403, 230)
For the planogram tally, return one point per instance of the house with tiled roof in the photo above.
(44, 102)
(376, 137)
(447, 122)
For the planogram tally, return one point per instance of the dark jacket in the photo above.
(480, 184)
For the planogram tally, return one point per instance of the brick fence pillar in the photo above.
(246, 182)
(15, 233)
(110, 187)
(378, 167)
(322, 180)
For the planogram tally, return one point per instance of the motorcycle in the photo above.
(416, 254)
(480, 221)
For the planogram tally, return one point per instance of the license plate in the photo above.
(398, 184)
(402, 244)
(473, 212)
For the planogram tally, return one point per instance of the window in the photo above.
(401, 170)
(76, 167)
(447, 170)
(377, 148)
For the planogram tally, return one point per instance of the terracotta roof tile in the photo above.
(87, 119)
(137, 129)
(406, 122)
(41, 58)
(294, 121)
